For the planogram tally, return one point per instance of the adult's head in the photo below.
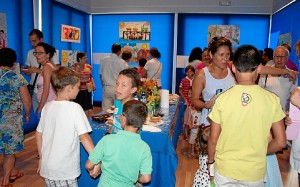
(7, 57)
(135, 113)
(220, 49)
(154, 53)
(206, 56)
(44, 52)
(246, 58)
(116, 48)
(288, 47)
(267, 55)
(36, 36)
(281, 56)
(196, 54)
(81, 57)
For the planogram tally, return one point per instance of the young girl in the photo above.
(62, 127)
(202, 177)
(126, 85)
(193, 124)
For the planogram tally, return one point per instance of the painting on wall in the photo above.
(3, 31)
(232, 32)
(134, 31)
(139, 50)
(68, 58)
(70, 34)
(285, 38)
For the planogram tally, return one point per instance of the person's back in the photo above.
(124, 157)
(241, 120)
(63, 125)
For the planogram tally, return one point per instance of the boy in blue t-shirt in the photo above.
(126, 85)
(124, 157)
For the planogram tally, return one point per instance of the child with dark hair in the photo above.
(202, 178)
(185, 92)
(62, 127)
(126, 85)
(241, 120)
(124, 157)
(142, 63)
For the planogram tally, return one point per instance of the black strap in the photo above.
(266, 81)
(36, 75)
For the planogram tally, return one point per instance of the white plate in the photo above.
(154, 124)
(151, 128)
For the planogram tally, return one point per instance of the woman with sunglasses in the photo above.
(44, 53)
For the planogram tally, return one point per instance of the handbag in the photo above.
(31, 87)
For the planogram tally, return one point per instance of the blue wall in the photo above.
(285, 21)
(106, 32)
(193, 32)
(19, 21)
(54, 15)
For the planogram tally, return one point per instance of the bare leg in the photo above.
(8, 164)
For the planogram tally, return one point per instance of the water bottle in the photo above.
(136, 97)
(143, 97)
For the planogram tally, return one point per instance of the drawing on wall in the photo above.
(129, 31)
(3, 31)
(285, 38)
(232, 32)
(139, 50)
(68, 58)
(70, 34)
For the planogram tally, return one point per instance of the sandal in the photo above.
(12, 178)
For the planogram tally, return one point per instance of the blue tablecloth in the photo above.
(162, 145)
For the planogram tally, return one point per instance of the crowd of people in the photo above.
(236, 108)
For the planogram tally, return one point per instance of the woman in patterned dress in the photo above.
(14, 94)
(87, 85)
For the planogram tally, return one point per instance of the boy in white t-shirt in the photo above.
(62, 127)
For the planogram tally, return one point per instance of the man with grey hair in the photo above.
(280, 85)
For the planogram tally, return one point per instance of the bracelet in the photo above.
(210, 162)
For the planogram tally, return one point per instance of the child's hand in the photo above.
(95, 172)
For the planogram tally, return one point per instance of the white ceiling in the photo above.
(177, 6)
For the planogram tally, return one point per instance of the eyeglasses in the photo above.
(38, 53)
(279, 57)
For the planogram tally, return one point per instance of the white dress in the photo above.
(201, 178)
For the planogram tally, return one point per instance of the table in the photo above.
(162, 144)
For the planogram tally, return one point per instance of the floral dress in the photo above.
(11, 124)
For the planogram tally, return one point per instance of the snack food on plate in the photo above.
(155, 119)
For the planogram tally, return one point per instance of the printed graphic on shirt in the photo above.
(246, 99)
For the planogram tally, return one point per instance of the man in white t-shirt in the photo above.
(32, 67)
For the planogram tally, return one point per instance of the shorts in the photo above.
(61, 183)
(193, 135)
(224, 182)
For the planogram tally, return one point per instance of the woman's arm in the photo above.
(47, 72)
(26, 100)
(197, 87)
(144, 178)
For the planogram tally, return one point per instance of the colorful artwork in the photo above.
(285, 39)
(3, 31)
(70, 34)
(139, 50)
(232, 32)
(129, 31)
(68, 57)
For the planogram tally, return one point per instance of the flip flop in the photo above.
(12, 178)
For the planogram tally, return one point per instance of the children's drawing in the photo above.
(129, 31)
(232, 32)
